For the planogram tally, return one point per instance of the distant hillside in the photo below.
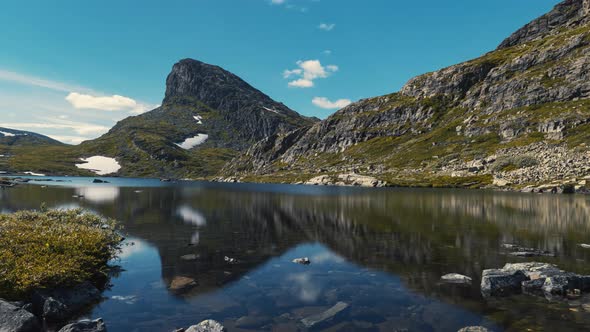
(13, 137)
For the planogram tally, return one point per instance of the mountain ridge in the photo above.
(479, 123)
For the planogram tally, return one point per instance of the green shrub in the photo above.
(52, 249)
(507, 164)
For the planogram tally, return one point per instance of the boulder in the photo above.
(455, 278)
(181, 284)
(533, 278)
(302, 261)
(85, 326)
(474, 329)
(60, 304)
(500, 282)
(207, 326)
(16, 319)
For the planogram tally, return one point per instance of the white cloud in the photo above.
(327, 26)
(307, 72)
(112, 103)
(78, 127)
(325, 103)
(277, 2)
(25, 79)
(327, 52)
(301, 83)
(288, 73)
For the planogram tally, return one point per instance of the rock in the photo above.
(500, 182)
(499, 282)
(533, 278)
(302, 261)
(60, 304)
(325, 316)
(16, 319)
(230, 260)
(85, 326)
(207, 326)
(519, 251)
(182, 284)
(456, 278)
(189, 257)
(252, 322)
(474, 329)
(99, 181)
(348, 179)
(534, 286)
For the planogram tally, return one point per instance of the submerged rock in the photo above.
(85, 326)
(14, 318)
(519, 251)
(455, 278)
(302, 261)
(325, 316)
(252, 322)
(474, 329)
(182, 284)
(60, 304)
(189, 257)
(207, 326)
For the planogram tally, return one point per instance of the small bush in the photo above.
(52, 249)
(506, 164)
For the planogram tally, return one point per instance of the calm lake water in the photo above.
(381, 251)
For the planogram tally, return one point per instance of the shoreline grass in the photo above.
(52, 249)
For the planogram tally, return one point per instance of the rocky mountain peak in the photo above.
(212, 85)
(566, 14)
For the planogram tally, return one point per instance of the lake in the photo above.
(381, 252)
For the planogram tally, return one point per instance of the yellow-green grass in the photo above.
(55, 248)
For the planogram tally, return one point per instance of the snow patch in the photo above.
(100, 165)
(7, 134)
(198, 118)
(191, 142)
(271, 110)
(34, 174)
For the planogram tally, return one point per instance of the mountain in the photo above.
(208, 116)
(517, 116)
(12, 137)
(22, 151)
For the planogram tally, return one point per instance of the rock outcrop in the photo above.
(16, 319)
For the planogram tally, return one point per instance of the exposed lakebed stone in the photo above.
(455, 278)
(86, 326)
(207, 326)
(533, 278)
(16, 319)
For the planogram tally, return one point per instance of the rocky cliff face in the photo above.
(208, 116)
(475, 123)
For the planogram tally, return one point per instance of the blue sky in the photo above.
(63, 61)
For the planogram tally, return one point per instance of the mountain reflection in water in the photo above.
(380, 251)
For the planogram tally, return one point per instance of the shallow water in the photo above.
(380, 251)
